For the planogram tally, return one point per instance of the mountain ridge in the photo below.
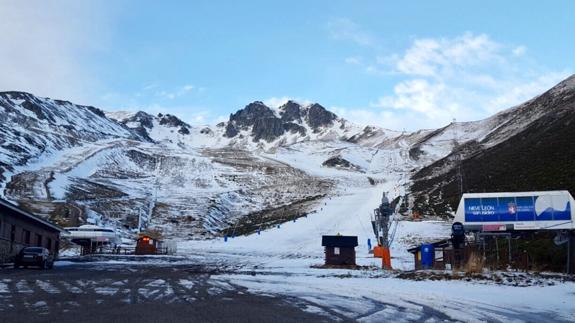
(539, 132)
(77, 164)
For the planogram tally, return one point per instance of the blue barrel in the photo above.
(427, 256)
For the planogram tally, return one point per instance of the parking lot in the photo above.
(96, 292)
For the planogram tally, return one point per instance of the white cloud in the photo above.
(220, 118)
(519, 50)
(178, 92)
(150, 86)
(516, 93)
(276, 102)
(44, 43)
(433, 57)
(418, 95)
(393, 120)
(468, 77)
(346, 29)
(353, 60)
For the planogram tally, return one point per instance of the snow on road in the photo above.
(378, 299)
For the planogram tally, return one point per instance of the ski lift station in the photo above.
(501, 227)
(91, 237)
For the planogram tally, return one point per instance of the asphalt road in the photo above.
(123, 293)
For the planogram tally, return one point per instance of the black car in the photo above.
(34, 256)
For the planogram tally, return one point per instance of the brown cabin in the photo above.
(147, 245)
(339, 250)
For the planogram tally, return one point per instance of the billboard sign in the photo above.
(523, 210)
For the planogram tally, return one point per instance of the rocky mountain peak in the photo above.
(291, 111)
(16, 95)
(253, 111)
(252, 114)
(265, 124)
(317, 116)
(142, 122)
(145, 119)
(173, 121)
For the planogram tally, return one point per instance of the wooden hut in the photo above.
(146, 245)
(339, 250)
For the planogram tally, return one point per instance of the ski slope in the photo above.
(281, 261)
(347, 212)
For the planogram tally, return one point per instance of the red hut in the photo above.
(147, 245)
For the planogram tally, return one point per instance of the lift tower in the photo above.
(380, 222)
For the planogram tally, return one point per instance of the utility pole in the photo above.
(571, 252)
(139, 220)
(457, 156)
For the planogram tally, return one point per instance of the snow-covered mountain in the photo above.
(262, 167)
(525, 148)
(32, 126)
(256, 127)
(76, 164)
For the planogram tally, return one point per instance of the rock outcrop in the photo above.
(263, 123)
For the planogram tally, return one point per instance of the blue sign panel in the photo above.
(489, 208)
(563, 214)
(525, 208)
(520, 208)
(473, 210)
(507, 209)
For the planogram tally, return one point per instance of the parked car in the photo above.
(34, 256)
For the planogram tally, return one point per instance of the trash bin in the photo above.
(427, 256)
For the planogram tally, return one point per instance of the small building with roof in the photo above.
(19, 229)
(339, 250)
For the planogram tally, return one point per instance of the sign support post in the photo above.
(571, 253)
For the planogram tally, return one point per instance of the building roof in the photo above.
(339, 241)
(7, 205)
(514, 194)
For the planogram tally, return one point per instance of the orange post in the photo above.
(378, 251)
(385, 258)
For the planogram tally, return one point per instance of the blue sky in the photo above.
(401, 65)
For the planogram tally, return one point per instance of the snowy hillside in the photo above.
(264, 166)
(515, 150)
(33, 127)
